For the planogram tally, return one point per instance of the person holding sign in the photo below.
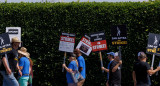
(142, 70)
(73, 65)
(81, 66)
(134, 79)
(111, 58)
(9, 66)
(115, 71)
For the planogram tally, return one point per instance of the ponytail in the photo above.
(76, 61)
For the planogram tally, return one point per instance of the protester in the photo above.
(115, 71)
(71, 67)
(24, 65)
(81, 66)
(9, 65)
(111, 58)
(31, 73)
(142, 70)
(134, 79)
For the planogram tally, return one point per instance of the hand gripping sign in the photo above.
(5, 45)
(119, 36)
(98, 43)
(85, 45)
(152, 45)
(66, 44)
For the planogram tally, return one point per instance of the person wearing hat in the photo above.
(81, 66)
(111, 58)
(24, 65)
(9, 65)
(142, 70)
(73, 65)
(115, 71)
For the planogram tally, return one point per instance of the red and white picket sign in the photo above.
(85, 45)
(67, 42)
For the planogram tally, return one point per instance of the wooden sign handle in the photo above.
(100, 54)
(120, 53)
(64, 60)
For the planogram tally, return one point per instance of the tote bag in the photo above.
(76, 76)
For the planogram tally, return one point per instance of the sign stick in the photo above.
(153, 60)
(7, 59)
(64, 61)
(101, 60)
(120, 53)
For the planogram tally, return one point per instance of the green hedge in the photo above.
(43, 23)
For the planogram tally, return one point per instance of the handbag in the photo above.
(76, 76)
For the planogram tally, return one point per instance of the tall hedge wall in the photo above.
(42, 24)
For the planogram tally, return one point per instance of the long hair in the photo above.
(76, 61)
(31, 62)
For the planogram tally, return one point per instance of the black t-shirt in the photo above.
(12, 59)
(140, 69)
(114, 77)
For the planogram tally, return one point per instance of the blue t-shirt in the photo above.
(72, 65)
(81, 63)
(108, 68)
(25, 63)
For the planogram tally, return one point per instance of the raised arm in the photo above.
(67, 69)
(116, 67)
(105, 69)
(151, 71)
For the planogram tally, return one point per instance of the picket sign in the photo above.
(14, 32)
(66, 44)
(119, 37)
(153, 46)
(85, 45)
(99, 43)
(5, 45)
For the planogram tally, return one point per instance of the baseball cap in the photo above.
(142, 54)
(139, 53)
(116, 54)
(111, 53)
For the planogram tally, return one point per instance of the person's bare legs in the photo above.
(80, 83)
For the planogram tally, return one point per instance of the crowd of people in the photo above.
(17, 61)
(141, 70)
